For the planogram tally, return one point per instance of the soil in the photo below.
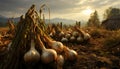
(91, 55)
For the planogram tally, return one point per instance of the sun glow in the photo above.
(87, 11)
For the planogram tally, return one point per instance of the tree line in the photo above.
(94, 21)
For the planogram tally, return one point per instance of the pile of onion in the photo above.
(74, 36)
(49, 50)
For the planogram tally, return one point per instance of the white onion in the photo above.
(86, 36)
(64, 39)
(32, 55)
(75, 34)
(56, 45)
(68, 36)
(72, 38)
(70, 54)
(47, 55)
(79, 39)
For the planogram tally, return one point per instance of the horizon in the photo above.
(65, 9)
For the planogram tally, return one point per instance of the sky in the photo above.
(66, 9)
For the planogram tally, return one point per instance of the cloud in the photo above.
(21, 6)
(13, 7)
(70, 9)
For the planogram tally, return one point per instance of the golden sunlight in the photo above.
(87, 11)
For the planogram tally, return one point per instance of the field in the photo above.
(101, 52)
(2, 29)
(32, 44)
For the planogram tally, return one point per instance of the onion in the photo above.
(64, 39)
(60, 61)
(32, 55)
(75, 34)
(67, 36)
(70, 54)
(87, 36)
(61, 34)
(79, 39)
(47, 55)
(56, 45)
(72, 38)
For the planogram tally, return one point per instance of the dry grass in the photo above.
(102, 51)
(112, 40)
(2, 29)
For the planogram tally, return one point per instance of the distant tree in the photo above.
(111, 12)
(94, 20)
(78, 23)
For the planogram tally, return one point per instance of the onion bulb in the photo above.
(67, 36)
(47, 55)
(56, 45)
(64, 39)
(61, 34)
(79, 39)
(32, 55)
(86, 36)
(75, 34)
(60, 61)
(70, 54)
(72, 38)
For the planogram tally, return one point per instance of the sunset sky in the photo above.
(68, 9)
